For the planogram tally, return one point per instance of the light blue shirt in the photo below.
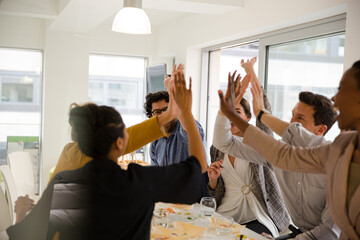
(174, 149)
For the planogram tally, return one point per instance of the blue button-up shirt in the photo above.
(174, 149)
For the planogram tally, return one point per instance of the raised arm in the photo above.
(274, 123)
(248, 66)
(230, 144)
(183, 98)
(277, 153)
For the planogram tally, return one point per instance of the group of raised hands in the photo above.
(234, 93)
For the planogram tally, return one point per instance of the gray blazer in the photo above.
(330, 159)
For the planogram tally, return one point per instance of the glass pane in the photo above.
(118, 81)
(20, 102)
(221, 63)
(96, 92)
(314, 65)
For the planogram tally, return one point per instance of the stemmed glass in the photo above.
(208, 206)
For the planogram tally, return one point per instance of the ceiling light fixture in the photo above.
(132, 19)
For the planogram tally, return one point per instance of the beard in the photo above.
(171, 125)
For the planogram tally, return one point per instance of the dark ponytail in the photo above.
(96, 128)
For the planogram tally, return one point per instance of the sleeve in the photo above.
(282, 155)
(219, 192)
(35, 225)
(142, 134)
(183, 133)
(326, 230)
(70, 158)
(267, 105)
(297, 135)
(227, 143)
(177, 183)
(153, 155)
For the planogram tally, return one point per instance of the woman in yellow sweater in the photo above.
(139, 135)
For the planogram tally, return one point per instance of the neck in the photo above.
(113, 157)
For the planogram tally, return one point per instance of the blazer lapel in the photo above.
(340, 187)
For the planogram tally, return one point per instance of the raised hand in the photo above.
(248, 65)
(182, 95)
(241, 88)
(258, 99)
(227, 103)
(179, 68)
(183, 98)
(169, 81)
(214, 171)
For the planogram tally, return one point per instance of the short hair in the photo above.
(154, 97)
(323, 108)
(96, 128)
(246, 106)
(356, 67)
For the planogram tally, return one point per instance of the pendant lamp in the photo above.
(132, 19)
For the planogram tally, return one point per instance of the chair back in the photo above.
(5, 220)
(10, 189)
(22, 171)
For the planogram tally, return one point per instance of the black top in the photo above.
(122, 202)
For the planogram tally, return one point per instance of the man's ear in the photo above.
(321, 129)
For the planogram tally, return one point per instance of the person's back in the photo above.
(125, 200)
(122, 202)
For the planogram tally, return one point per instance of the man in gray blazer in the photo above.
(304, 194)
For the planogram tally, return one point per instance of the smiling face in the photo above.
(304, 114)
(162, 105)
(347, 100)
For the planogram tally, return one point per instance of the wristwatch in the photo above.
(262, 111)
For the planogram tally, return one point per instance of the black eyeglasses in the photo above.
(157, 112)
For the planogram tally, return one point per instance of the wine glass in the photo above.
(223, 225)
(208, 206)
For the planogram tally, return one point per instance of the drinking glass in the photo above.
(223, 225)
(208, 206)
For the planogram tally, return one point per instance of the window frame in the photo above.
(316, 29)
(37, 100)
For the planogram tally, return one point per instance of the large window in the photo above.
(307, 57)
(118, 81)
(222, 62)
(20, 103)
(314, 65)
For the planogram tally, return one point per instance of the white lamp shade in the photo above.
(131, 20)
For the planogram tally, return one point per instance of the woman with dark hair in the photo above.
(121, 203)
(340, 160)
(240, 187)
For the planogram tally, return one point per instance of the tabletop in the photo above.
(179, 221)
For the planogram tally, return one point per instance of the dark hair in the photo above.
(246, 106)
(323, 109)
(96, 128)
(154, 97)
(356, 67)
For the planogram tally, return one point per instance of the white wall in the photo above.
(192, 34)
(352, 37)
(66, 63)
(21, 32)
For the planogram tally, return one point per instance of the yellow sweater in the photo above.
(139, 135)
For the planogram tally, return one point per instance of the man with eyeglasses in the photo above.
(173, 148)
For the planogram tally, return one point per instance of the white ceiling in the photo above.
(84, 15)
